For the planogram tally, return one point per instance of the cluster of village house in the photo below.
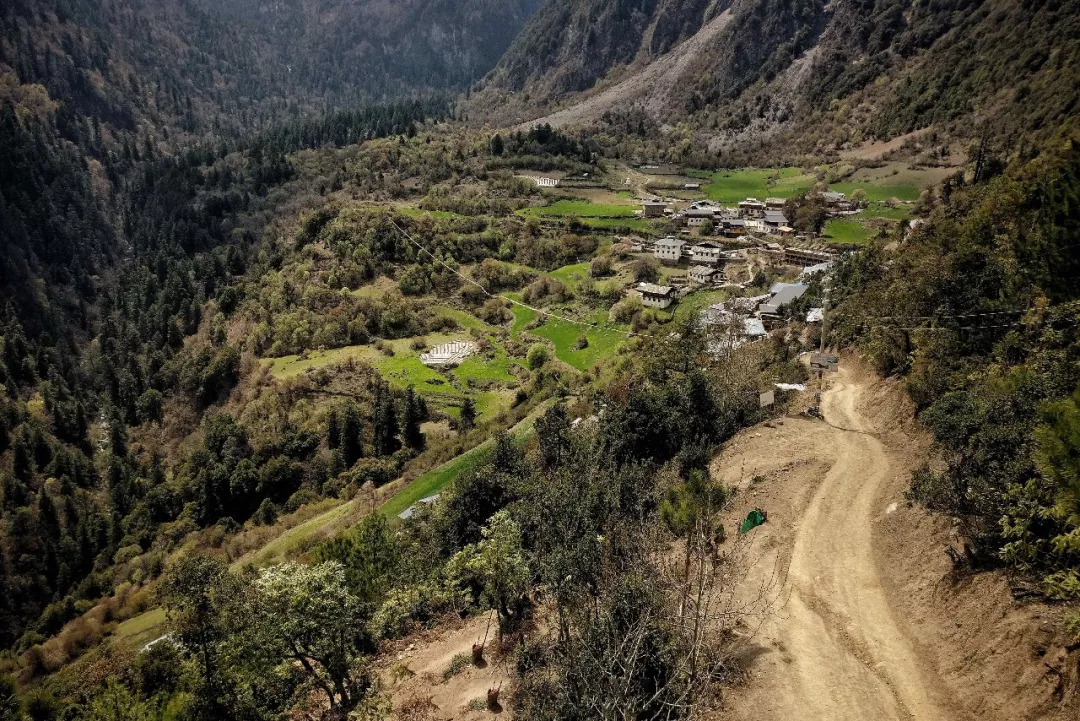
(706, 258)
(751, 215)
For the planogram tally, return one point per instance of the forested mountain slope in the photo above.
(821, 74)
(203, 67)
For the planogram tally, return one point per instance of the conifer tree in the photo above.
(411, 420)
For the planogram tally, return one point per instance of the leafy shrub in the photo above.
(458, 663)
(537, 356)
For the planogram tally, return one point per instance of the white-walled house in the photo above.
(705, 275)
(656, 296)
(706, 253)
(669, 250)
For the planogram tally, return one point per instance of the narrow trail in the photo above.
(843, 653)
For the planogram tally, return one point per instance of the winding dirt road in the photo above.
(836, 649)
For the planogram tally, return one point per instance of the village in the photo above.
(726, 247)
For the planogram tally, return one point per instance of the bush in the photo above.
(301, 498)
(646, 270)
(404, 608)
(537, 356)
(626, 310)
(458, 663)
(601, 267)
(546, 289)
(266, 514)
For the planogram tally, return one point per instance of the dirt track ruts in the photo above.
(845, 652)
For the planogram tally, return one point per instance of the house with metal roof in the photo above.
(705, 274)
(656, 296)
(780, 295)
(669, 250)
(774, 219)
(706, 252)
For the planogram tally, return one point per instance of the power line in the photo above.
(485, 291)
(631, 334)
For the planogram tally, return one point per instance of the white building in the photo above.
(705, 275)
(706, 253)
(656, 296)
(668, 250)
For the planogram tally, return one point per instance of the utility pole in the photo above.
(821, 345)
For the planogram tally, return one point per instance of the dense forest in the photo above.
(153, 70)
(181, 233)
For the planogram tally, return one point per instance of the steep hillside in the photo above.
(202, 67)
(821, 74)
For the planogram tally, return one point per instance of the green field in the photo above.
(690, 305)
(581, 209)
(731, 186)
(142, 629)
(603, 341)
(522, 316)
(879, 191)
(437, 214)
(880, 210)
(404, 369)
(571, 274)
(848, 231)
(638, 224)
(435, 480)
(480, 368)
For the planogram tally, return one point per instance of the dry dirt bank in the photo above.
(871, 620)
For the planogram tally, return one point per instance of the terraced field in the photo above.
(603, 341)
(878, 191)
(848, 231)
(731, 186)
(581, 209)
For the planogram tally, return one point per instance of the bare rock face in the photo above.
(740, 71)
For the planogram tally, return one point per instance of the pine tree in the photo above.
(468, 414)
(411, 420)
(385, 437)
(350, 437)
(333, 432)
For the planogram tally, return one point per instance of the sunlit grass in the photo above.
(848, 231)
(731, 186)
(582, 209)
(879, 191)
(603, 341)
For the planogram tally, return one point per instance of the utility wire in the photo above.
(631, 334)
(489, 294)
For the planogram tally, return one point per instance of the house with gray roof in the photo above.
(780, 295)
(668, 250)
(656, 296)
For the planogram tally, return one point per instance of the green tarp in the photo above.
(753, 519)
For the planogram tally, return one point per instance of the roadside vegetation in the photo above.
(990, 362)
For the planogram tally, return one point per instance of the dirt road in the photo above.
(836, 648)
